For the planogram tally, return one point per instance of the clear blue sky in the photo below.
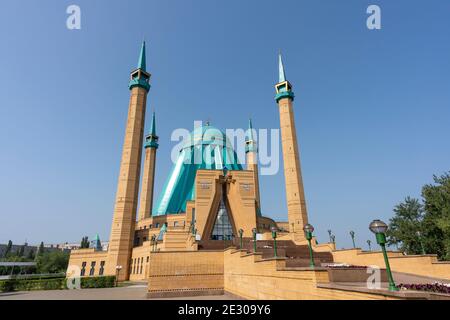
(372, 107)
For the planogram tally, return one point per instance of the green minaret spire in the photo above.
(284, 88)
(142, 59)
(250, 143)
(97, 243)
(250, 130)
(151, 140)
(282, 73)
(153, 127)
(140, 77)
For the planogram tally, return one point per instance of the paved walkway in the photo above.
(133, 292)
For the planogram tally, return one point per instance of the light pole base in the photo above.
(393, 287)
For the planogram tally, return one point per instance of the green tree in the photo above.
(21, 251)
(52, 262)
(30, 255)
(8, 249)
(84, 243)
(41, 249)
(437, 216)
(405, 224)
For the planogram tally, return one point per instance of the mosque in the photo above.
(207, 232)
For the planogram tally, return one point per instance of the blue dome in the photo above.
(206, 148)
(206, 135)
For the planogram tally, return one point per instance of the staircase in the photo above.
(297, 255)
(176, 240)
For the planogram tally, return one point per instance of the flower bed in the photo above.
(433, 287)
(343, 266)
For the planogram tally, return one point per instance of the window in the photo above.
(175, 224)
(141, 269)
(92, 271)
(148, 258)
(83, 269)
(222, 227)
(102, 268)
(150, 226)
(157, 225)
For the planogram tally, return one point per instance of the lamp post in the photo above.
(330, 234)
(369, 243)
(254, 239)
(274, 236)
(419, 235)
(309, 229)
(379, 228)
(241, 233)
(352, 234)
(118, 268)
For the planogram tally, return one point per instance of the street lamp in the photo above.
(309, 229)
(330, 234)
(118, 268)
(241, 233)
(379, 228)
(254, 239)
(369, 243)
(352, 234)
(419, 235)
(274, 236)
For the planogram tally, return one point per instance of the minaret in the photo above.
(251, 152)
(295, 194)
(122, 230)
(148, 178)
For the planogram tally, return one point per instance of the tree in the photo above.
(431, 219)
(30, 255)
(21, 251)
(8, 249)
(405, 224)
(53, 262)
(437, 218)
(41, 249)
(84, 243)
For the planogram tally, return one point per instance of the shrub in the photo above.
(54, 283)
(7, 285)
(98, 282)
(32, 284)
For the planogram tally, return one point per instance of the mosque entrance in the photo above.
(222, 230)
